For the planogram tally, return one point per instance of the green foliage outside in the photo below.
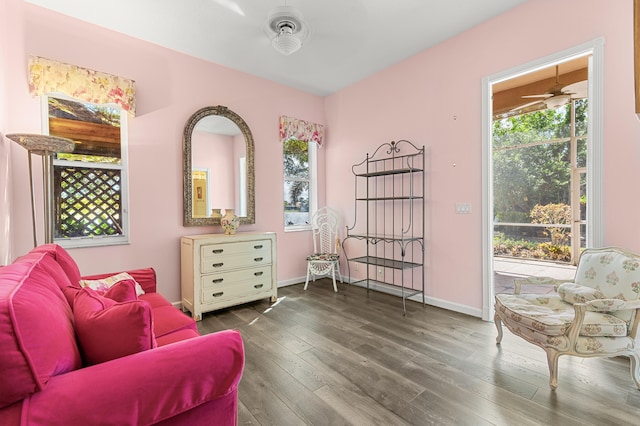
(557, 249)
(296, 166)
(553, 214)
(532, 179)
(508, 247)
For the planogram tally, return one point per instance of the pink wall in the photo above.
(170, 87)
(215, 153)
(435, 99)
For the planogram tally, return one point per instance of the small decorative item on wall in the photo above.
(229, 222)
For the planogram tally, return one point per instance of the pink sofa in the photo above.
(162, 371)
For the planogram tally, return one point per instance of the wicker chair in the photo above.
(325, 259)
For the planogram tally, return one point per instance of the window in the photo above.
(90, 184)
(299, 183)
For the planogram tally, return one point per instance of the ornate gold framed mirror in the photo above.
(218, 164)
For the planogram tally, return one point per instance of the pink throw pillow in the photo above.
(108, 330)
(71, 293)
(122, 291)
(105, 284)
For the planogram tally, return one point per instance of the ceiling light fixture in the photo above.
(286, 29)
(557, 101)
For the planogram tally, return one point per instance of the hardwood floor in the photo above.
(351, 358)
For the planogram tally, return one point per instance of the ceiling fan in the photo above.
(559, 95)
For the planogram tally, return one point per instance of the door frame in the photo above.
(595, 161)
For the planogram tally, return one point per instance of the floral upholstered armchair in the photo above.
(595, 315)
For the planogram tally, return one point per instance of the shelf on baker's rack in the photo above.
(387, 288)
(385, 237)
(391, 180)
(390, 172)
(385, 263)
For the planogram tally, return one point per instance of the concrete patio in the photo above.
(506, 269)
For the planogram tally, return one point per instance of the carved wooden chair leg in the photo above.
(308, 273)
(498, 322)
(552, 360)
(634, 359)
(333, 275)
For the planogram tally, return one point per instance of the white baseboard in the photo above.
(292, 281)
(439, 303)
(455, 307)
(397, 291)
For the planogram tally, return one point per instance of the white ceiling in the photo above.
(349, 41)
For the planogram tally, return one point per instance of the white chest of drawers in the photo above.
(218, 271)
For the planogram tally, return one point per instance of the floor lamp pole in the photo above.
(47, 182)
(33, 202)
(47, 147)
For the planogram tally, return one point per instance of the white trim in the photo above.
(313, 176)
(292, 281)
(98, 241)
(487, 205)
(594, 146)
(297, 228)
(393, 291)
(312, 148)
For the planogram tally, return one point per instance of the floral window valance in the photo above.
(47, 76)
(302, 130)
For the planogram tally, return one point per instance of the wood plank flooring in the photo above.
(351, 358)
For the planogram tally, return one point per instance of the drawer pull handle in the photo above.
(218, 294)
(217, 265)
(218, 281)
(258, 246)
(258, 259)
(258, 286)
(257, 274)
(217, 251)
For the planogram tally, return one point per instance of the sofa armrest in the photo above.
(143, 388)
(146, 277)
(519, 282)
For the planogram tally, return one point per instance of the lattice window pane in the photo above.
(88, 202)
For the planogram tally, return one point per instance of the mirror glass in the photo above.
(218, 167)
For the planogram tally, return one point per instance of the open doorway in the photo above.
(541, 168)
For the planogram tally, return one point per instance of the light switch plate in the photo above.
(463, 208)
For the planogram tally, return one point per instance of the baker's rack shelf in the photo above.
(389, 218)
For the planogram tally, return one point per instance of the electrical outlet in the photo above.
(356, 266)
(380, 271)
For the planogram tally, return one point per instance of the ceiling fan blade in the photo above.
(527, 105)
(524, 109)
(546, 95)
(577, 90)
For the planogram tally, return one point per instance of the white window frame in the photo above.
(106, 240)
(595, 163)
(313, 188)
